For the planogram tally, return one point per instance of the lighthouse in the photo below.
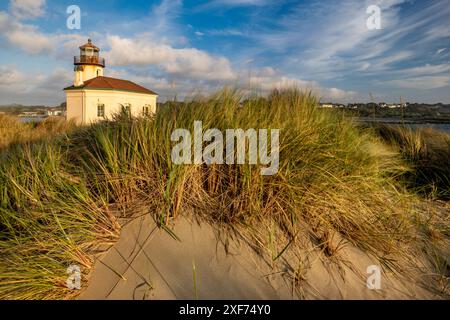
(94, 97)
(88, 64)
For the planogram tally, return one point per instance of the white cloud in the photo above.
(386, 62)
(155, 83)
(267, 83)
(335, 94)
(187, 62)
(438, 32)
(227, 32)
(37, 88)
(29, 40)
(428, 69)
(340, 39)
(9, 75)
(23, 36)
(27, 9)
(267, 79)
(163, 22)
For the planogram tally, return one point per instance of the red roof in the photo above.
(89, 45)
(106, 83)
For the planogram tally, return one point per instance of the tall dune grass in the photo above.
(12, 131)
(428, 152)
(57, 196)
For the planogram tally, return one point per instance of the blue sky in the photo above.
(184, 47)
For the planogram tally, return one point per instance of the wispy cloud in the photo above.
(231, 3)
(329, 41)
(226, 32)
(424, 82)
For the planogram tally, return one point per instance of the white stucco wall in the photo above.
(74, 100)
(82, 104)
(88, 72)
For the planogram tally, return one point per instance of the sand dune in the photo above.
(150, 263)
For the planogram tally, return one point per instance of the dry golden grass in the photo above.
(335, 181)
(427, 151)
(12, 131)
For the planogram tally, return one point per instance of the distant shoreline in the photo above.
(402, 121)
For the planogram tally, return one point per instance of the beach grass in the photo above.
(13, 131)
(62, 196)
(427, 152)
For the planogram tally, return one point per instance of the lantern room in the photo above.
(88, 64)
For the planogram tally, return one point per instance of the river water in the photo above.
(31, 119)
(409, 123)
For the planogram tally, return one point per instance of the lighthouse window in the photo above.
(100, 110)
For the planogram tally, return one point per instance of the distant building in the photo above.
(94, 97)
(52, 112)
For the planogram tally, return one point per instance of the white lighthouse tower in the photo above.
(88, 64)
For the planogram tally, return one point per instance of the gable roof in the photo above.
(106, 83)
